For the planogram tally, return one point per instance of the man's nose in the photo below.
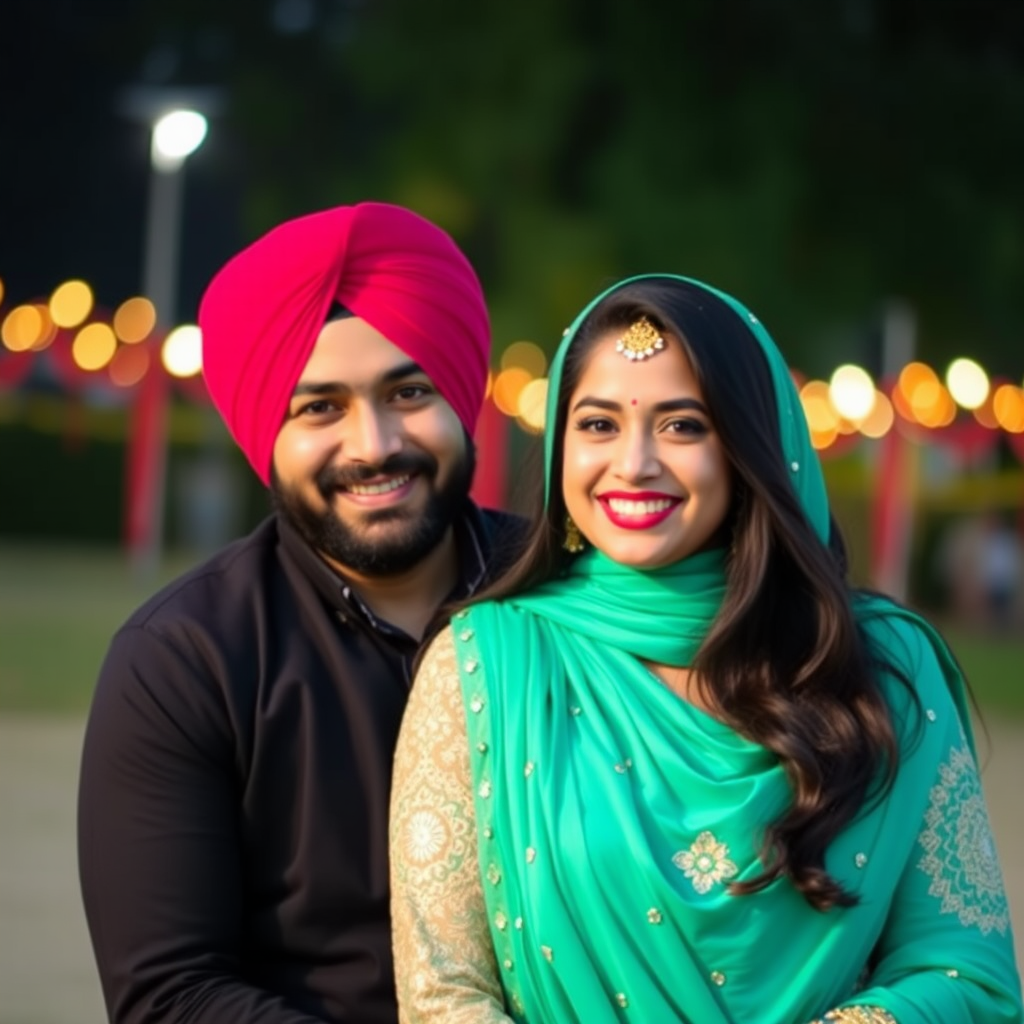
(371, 435)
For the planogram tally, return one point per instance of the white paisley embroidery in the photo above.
(959, 852)
(706, 862)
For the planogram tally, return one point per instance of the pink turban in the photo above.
(263, 311)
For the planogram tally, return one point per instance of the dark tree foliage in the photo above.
(819, 159)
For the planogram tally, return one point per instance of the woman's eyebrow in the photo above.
(671, 405)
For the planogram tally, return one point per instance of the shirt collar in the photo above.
(470, 547)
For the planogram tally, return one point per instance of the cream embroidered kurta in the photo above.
(445, 937)
(441, 935)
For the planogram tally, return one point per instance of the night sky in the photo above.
(74, 168)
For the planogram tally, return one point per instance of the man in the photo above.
(237, 760)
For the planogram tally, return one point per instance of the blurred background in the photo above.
(850, 169)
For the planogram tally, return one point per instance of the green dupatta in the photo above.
(611, 815)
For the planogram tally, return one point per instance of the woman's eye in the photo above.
(688, 427)
(595, 425)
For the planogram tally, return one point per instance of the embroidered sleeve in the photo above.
(946, 953)
(444, 959)
(857, 1015)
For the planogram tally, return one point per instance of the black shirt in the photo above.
(234, 790)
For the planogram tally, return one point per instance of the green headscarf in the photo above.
(806, 477)
(796, 440)
(611, 815)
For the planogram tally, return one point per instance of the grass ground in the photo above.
(59, 607)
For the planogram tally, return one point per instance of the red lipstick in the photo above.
(637, 510)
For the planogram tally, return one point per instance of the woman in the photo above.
(672, 769)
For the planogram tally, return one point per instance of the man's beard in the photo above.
(373, 548)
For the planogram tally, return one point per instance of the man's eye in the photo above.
(409, 392)
(318, 407)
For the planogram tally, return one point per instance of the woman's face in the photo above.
(644, 474)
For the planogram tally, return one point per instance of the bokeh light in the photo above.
(1008, 407)
(921, 397)
(847, 403)
(985, 414)
(818, 408)
(926, 404)
(94, 346)
(507, 387)
(967, 383)
(822, 418)
(22, 328)
(917, 386)
(934, 406)
(129, 365)
(526, 355)
(134, 320)
(71, 303)
(822, 439)
(47, 331)
(880, 420)
(532, 401)
(900, 405)
(852, 392)
(182, 351)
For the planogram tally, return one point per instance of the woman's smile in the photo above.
(637, 511)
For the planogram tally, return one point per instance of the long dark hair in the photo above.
(784, 662)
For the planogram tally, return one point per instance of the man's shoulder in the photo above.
(501, 527)
(198, 636)
(228, 580)
(502, 538)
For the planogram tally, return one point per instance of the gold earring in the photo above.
(573, 542)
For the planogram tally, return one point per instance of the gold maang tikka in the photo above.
(640, 341)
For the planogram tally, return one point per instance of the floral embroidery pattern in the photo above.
(439, 904)
(960, 856)
(425, 835)
(706, 862)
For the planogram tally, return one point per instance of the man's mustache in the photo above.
(331, 478)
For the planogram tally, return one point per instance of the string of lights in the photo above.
(121, 345)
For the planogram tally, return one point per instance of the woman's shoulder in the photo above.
(487, 618)
(895, 632)
(918, 668)
(898, 633)
(436, 668)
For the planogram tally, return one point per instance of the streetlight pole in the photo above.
(177, 129)
(175, 136)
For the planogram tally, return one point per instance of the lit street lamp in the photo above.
(174, 138)
(177, 130)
